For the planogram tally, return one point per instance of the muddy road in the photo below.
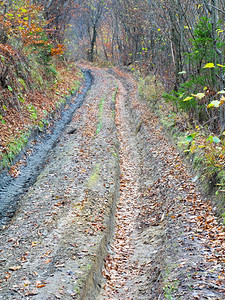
(113, 213)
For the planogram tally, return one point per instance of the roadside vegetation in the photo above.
(35, 77)
(203, 149)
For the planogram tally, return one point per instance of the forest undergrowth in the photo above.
(203, 149)
(35, 77)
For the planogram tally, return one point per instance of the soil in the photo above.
(115, 213)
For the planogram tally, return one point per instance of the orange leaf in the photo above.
(40, 286)
(47, 261)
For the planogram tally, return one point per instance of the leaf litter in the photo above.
(162, 213)
(167, 241)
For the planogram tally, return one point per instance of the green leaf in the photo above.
(2, 120)
(216, 139)
(221, 92)
(209, 66)
(33, 116)
(41, 125)
(9, 88)
(182, 72)
(22, 82)
(2, 58)
(21, 99)
(209, 139)
(189, 138)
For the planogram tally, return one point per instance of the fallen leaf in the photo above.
(40, 285)
(33, 244)
(14, 268)
(47, 261)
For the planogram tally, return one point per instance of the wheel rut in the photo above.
(160, 250)
(125, 273)
(122, 260)
(113, 213)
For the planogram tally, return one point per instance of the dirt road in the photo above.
(114, 214)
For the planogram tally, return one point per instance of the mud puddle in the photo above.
(12, 188)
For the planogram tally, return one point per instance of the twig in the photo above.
(220, 10)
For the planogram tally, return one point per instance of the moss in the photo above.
(94, 176)
(100, 115)
(115, 93)
(114, 152)
(170, 286)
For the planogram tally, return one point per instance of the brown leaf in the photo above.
(14, 268)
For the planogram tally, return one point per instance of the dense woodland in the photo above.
(180, 43)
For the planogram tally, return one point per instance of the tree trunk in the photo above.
(93, 42)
